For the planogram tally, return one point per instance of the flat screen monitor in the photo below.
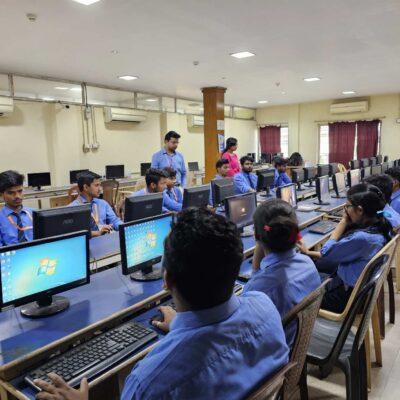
(298, 177)
(265, 179)
(364, 162)
(241, 208)
(266, 158)
(61, 220)
(322, 170)
(252, 155)
(379, 159)
(146, 206)
(339, 184)
(37, 180)
(221, 189)
(332, 169)
(353, 177)
(197, 196)
(288, 194)
(390, 164)
(355, 164)
(73, 175)
(372, 161)
(310, 174)
(385, 166)
(322, 189)
(32, 272)
(385, 158)
(142, 246)
(365, 172)
(143, 168)
(115, 171)
(376, 169)
(193, 166)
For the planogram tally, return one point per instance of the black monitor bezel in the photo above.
(217, 183)
(295, 172)
(260, 177)
(321, 167)
(29, 178)
(195, 189)
(227, 209)
(108, 176)
(334, 182)
(377, 166)
(352, 166)
(331, 167)
(137, 199)
(50, 292)
(318, 188)
(76, 172)
(143, 168)
(352, 172)
(314, 168)
(191, 163)
(279, 194)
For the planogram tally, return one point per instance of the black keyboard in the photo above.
(323, 227)
(96, 355)
(338, 213)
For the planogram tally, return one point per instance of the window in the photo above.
(323, 144)
(285, 141)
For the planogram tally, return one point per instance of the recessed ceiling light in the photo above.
(127, 77)
(60, 88)
(313, 79)
(86, 2)
(76, 89)
(349, 92)
(151, 100)
(242, 54)
(283, 92)
(262, 101)
(114, 51)
(48, 99)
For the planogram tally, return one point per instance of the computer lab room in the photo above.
(199, 200)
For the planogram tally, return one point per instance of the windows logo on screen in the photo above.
(47, 267)
(151, 240)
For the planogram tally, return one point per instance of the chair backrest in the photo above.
(110, 191)
(341, 168)
(305, 313)
(272, 387)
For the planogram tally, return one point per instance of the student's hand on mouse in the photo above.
(168, 314)
(106, 229)
(60, 390)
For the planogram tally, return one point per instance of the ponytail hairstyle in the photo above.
(276, 225)
(230, 142)
(372, 201)
(296, 160)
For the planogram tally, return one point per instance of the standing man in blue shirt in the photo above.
(222, 167)
(169, 157)
(15, 219)
(245, 181)
(281, 177)
(103, 219)
(219, 346)
(395, 199)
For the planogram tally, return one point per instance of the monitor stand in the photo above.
(338, 196)
(299, 188)
(310, 184)
(266, 194)
(146, 274)
(38, 189)
(45, 306)
(322, 203)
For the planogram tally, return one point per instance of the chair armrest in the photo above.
(330, 315)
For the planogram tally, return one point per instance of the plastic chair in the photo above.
(341, 168)
(110, 191)
(334, 344)
(305, 313)
(271, 389)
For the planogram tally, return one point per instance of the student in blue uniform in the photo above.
(169, 157)
(385, 184)
(279, 271)
(281, 177)
(245, 181)
(15, 218)
(222, 167)
(361, 233)
(103, 218)
(219, 346)
(174, 199)
(395, 199)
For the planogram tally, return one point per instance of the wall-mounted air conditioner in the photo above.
(112, 114)
(195, 121)
(6, 106)
(349, 107)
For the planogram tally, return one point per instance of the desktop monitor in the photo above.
(37, 180)
(32, 272)
(252, 155)
(115, 171)
(143, 168)
(73, 175)
(365, 172)
(376, 169)
(332, 169)
(61, 220)
(265, 179)
(139, 207)
(221, 189)
(241, 208)
(390, 164)
(197, 196)
(364, 162)
(298, 177)
(193, 166)
(354, 164)
(353, 177)
(372, 161)
(379, 159)
(322, 189)
(339, 184)
(266, 158)
(385, 167)
(142, 246)
(322, 170)
(310, 174)
(385, 158)
(288, 194)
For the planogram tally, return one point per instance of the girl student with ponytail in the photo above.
(279, 270)
(360, 234)
(228, 154)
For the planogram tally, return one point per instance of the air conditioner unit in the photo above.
(195, 121)
(112, 114)
(351, 107)
(6, 106)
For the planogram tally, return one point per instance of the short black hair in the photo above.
(170, 172)
(221, 162)
(86, 178)
(170, 135)
(383, 182)
(9, 179)
(276, 225)
(394, 173)
(201, 245)
(154, 175)
(246, 158)
(280, 161)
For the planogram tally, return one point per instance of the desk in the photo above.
(335, 204)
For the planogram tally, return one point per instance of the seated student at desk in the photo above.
(15, 218)
(174, 194)
(220, 346)
(279, 271)
(222, 167)
(395, 199)
(245, 181)
(103, 218)
(281, 177)
(361, 233)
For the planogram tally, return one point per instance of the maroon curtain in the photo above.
(367, 138)
(341, 142)
(270, 139)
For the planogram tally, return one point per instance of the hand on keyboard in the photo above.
(166, 317)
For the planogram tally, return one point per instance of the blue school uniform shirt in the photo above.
(287, 278)
(352, 253)
(173, 199)
(9, 230)
(392, 216)
(281, 179)
(243, 181)
(219, 353)
(395, 201)
(100, 208)
(144, 191)
(163, 159)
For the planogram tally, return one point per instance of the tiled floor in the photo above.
(385, 380)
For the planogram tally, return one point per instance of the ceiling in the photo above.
(349, 44)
